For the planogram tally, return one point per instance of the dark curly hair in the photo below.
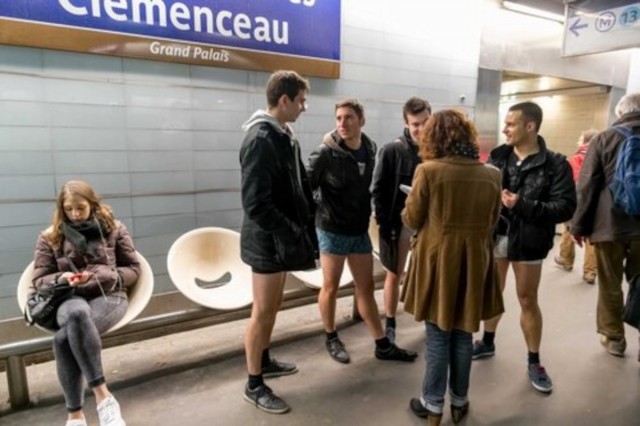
(447, 133)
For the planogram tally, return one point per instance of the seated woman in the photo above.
(451, 282)
(88, 248)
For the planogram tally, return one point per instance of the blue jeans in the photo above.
(448, 353)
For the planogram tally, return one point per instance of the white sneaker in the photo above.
(76, 422)
(109, 413)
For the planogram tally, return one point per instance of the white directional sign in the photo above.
(601, 31)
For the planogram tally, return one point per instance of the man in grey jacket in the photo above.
(615, 235)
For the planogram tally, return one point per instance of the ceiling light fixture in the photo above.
(517, 7)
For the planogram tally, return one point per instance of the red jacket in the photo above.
(577, 159)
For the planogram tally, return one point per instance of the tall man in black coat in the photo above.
(278, 226)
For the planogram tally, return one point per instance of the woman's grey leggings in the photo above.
(77, 345)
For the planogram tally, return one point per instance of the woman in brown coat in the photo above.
(89, 249)
(451, 282)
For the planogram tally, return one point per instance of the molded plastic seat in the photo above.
(313, 278)
(139, 294)
(205, 265)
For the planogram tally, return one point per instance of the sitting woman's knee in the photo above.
(77, 315)
(60, 339)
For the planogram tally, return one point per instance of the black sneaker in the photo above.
(264, 399)
(277, 369)
(390, 332)
(337, 351)
(395, 353)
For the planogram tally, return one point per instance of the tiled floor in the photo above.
(196, 378)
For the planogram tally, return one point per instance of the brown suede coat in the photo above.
(452, 280)
(116, 269)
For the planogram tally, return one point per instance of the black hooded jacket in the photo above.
(342, 195)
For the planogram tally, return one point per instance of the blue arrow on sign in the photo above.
(577, 26)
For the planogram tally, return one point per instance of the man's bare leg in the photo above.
(332, 266)
(267, 298)
(527, 283)
(361, 266)
(392, 288)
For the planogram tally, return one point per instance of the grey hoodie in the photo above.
(262, 116)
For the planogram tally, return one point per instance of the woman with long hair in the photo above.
(89, 249)
(451, 283)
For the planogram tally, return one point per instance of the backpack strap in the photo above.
(623, 130)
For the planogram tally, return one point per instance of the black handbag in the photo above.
(631, 312)
(42, 304)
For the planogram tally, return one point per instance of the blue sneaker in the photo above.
(540, 380)
(482, 350)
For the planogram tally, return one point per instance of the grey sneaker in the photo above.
(264, 399)
(540, 380)
(482, 350)
(337, 351)
(109, 413)
(277, 369)
(390, 332)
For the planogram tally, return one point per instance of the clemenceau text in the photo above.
(178, 15)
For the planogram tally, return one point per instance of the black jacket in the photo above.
(546, 196)
(277, 229)
(342, 195)
(396, 164)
